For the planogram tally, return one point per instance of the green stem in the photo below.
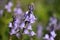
(10, 38)
(31, 38)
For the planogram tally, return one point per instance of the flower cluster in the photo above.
(29, 19)
(16, 23)
(50, 36)
(8, 7)
(52, 26)
(22, 22)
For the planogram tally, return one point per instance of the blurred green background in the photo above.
(43, 10)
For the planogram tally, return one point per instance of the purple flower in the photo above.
(53, 21)
(53, 34)
(12, 32)
(8, 6)
(18, 35)
(10, 25)
(26, 31)
(22, 25)
(51, 38)
(30, 18)
(29, 27)
(46, 36)
(32, 33)
(17, 11)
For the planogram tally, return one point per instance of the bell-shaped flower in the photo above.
(32, 33)
(22, 25)
(17, 11)
(17, 20)
(15, 25)
(18, 35)
(10, 4)
(12, 32)
(53, 34)
(26, 31)
(51, 38)
(8, 8)
(46, 36)
(32, 18)
(10, 25)
(53, 20)
(27, 18)
(27, 12)
(29, 27)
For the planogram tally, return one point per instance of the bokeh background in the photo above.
(43, 10)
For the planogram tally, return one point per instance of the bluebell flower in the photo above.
(12, 32)
(51, 38)
(53, 20)
(32, 33)
(46, 36)
(22, 25)
(29, 27)
(53, 34)
(18, 35)
(26, 31)
(30, 17)
(10, 25)
(9, 6)
(17, 11)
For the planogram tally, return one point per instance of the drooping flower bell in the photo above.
(9, 6)
(53, 34)
(53, 20)
(26, 31)
(46, 36)
(32, 33)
